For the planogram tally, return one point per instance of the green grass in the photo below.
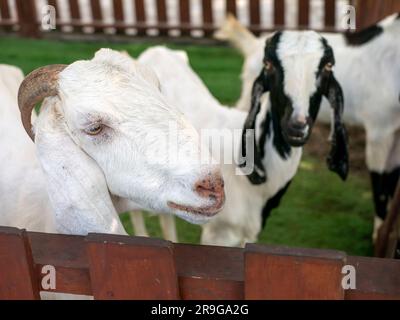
(318, 211)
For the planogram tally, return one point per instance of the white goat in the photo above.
(282, 127)
(368, 68)
(101, 147)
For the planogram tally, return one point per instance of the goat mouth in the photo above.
(207, 211)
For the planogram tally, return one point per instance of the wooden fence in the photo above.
(120, 267)
(27, 22)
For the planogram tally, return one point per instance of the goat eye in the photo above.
(94, 129)
(268, 65)
(329, 67)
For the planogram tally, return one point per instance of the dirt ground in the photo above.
(319, 147)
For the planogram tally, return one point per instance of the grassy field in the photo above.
(319, 210)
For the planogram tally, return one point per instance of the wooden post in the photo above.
(140, 17)
(162, 17)
(254, 7)
(17, 274)
(184, 17)
(330, 14)
(118, 14)
(5, 13)
(286, 273)
(231, 7)
(207, 17)
(304, 14)
(75, 13)
(96, 14)
(27, 18)
(123, 267)
(279, 13)
(388, 235)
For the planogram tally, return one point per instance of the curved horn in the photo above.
(39, 84)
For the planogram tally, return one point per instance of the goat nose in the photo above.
(299, 123)
(212, 187)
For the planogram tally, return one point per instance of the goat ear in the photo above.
(338, 159)
(258, 174)
(76, 185)
(149, 75)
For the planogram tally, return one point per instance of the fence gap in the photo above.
(281, 273)
(131, 268)
(17, 277)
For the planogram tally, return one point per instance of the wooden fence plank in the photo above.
(279, 13)
(75, 14)
(375, 279)
(330, 13)
(281, 273)
(97, 15)
(184, 17)
(131, 268)
(162, 17)
(209, 272)
(231, 7)
(254, 7)
(17, 275)
(207, 17)
(5, 14)
(140, 17)
(27, 18)
(304, 14)
(118, 15)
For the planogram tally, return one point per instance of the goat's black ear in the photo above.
(338, 159)
(258, 174)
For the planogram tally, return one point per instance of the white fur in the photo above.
(240, 220)
(71, 182)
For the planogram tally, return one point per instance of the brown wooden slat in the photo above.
(207, 16)
(75, 13)
(285, 273)
(96, 13)
(27, 18)
(184, 16)
(162, 17)
(209, 272)
(304, 14)
(330, 13)
(214, 272)
(5, 13)
(254, 7)
(231, 7)
(118, 14)
(131, 268)
(17, 275)
(376, 278)
(140, 16)
(55, 5)
(279, 13)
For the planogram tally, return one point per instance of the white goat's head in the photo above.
(110, 109)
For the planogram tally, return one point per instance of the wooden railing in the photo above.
(27, 22)
(121, 267)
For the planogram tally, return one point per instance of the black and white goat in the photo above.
(297, 73)
(368, 68)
